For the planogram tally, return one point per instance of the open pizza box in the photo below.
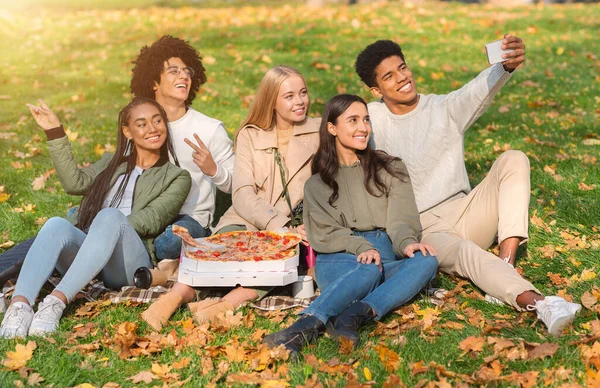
(232, 279)
(204, 273)
(233, 266)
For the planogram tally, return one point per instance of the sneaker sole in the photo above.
(560, 324)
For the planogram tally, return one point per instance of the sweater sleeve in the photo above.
(246, 202)
(468, 103)
(221, 149)
(156, 216)
(403, 223)
(74, 180)
(325, 230)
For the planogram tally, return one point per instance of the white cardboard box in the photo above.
(232, 279)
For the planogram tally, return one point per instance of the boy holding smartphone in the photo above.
(427, 132)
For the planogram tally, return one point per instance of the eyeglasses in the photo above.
(176, 70)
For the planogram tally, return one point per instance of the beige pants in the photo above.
(461, 230)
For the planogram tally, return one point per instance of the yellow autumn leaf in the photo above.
(436, 76)
(18, 358)
(587, 274)
(560, 51)
(274, 384)
(160, 370)
(7, 244)
(368, 375)
(99, 150)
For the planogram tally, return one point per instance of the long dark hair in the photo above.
(125, 152)
(326, 164)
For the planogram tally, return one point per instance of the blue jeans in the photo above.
(343, 280)
(111, 246)
(168, 245)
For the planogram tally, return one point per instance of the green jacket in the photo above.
(158, 196)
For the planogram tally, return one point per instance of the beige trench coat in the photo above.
(256, 188)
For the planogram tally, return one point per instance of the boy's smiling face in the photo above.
(395, 83)
(172, 85)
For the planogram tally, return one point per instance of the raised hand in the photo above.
(424, 248)
(44, 116)
(202, 157)
(515, 58)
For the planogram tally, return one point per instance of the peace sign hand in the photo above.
(202, 157)
(44, 116)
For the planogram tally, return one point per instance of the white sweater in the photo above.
(430, 139)
(200, 203)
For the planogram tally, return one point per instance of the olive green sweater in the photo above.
(330, 228)
(158, 195)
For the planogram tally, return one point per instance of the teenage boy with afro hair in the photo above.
(427, 132)
(171, 72)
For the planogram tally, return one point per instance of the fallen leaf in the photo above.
(184, 362)
(18, 358)
(143, 377)
(472, 344)
(544, 350)
(99, 150)
(34, 379)
(346, 345)
(419, 367)
(588, 300)
(389, 358)
(7, 244)
(39, 182)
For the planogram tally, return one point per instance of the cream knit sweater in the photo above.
(430, 139)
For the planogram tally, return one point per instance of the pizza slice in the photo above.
(186, 236)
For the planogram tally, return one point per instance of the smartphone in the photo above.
(494, 52)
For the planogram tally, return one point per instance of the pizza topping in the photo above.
(248, 246)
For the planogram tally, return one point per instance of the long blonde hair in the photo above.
(262, 110)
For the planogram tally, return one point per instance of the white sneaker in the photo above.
(45, 321)
(555, 312)
(17, 320)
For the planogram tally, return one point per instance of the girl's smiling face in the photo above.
(351, 130)
(292, 102)
(146, 128)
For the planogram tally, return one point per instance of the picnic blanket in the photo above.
(95, 290)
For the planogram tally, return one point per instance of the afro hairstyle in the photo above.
(150, 64)
(368, 60)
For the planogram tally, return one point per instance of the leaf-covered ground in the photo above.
(78, 58)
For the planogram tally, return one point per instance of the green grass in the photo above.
(77, 56)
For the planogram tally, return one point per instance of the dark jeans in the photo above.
(343, 280)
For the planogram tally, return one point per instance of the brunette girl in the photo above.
(361, 218)
(129, 198)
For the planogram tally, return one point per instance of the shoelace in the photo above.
(15, 313)
(547, 310)
(48, 311)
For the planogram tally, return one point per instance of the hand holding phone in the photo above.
(494, 52)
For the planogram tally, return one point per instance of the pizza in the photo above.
(246, 246)
(185, 236)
